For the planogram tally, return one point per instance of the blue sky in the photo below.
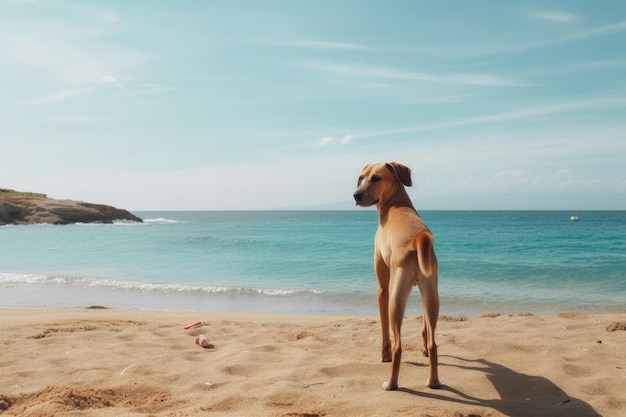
(216, 105)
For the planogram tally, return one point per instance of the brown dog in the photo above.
(403, 257)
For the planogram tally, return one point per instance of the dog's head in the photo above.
(378, 182)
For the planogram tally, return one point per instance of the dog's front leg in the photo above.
(400, 288)
(382, 274)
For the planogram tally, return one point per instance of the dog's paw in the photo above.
(387, 386)
(433, 384)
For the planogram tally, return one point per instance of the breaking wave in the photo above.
(161, 220)
(16, 279)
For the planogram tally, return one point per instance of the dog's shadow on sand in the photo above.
(519, 395)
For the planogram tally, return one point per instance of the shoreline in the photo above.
(80, 361)
(62, 291)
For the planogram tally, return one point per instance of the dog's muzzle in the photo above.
(363, 200)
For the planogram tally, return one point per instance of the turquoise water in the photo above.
(315, 262)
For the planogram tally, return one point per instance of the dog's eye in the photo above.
(375, 179)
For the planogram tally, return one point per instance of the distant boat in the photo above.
(574, 218)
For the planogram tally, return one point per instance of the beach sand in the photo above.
(105, 362)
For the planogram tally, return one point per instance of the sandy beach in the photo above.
(105, 362)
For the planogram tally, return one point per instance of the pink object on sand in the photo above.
(192, 325)
(202, 341)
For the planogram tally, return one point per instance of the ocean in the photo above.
(315, 262)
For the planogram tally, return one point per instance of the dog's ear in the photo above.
(402, 172)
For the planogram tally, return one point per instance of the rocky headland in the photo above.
(27, 208)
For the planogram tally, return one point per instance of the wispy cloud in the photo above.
(391, 73)
(570, 106)
(553, 15)
(580, 67)
(591, 33)
(329, 140)
(59, 96)
(378, 85)
(108, 79)
(602, 30)
(514, 178)
(151, 88)
(325, 141)
(72, 119)
(501, 48)
(561, 179)
(333, 45)
(74, 46)
(109, 16)
(601, 65)
(346, 139)
(213, 78)
(70, 61)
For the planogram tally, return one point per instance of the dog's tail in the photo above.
(424, 243)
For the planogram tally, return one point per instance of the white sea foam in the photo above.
(161, 220)
(115, 223)
(35, 279)
(139, 286)
(189, 288)
(126, 223)
(19, 278)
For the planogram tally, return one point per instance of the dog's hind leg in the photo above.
(430, 303)
(425, 337)
(428, 285)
